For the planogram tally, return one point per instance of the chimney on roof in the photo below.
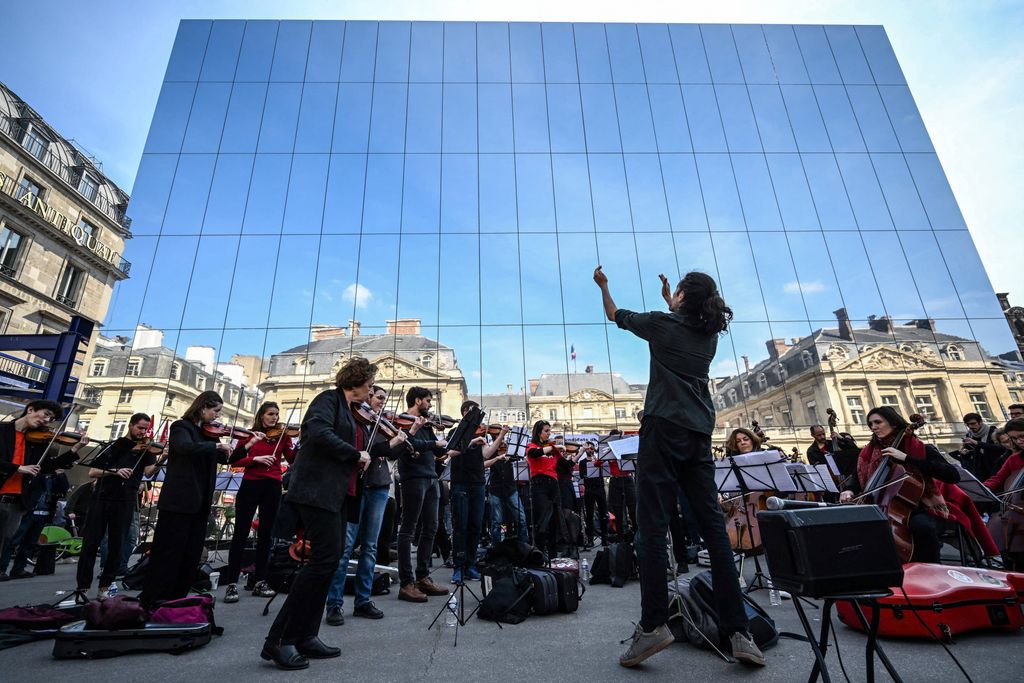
(533, 386)
(589, 370)
(746, 363)
(320, 332)
(776, 347)
(403, 326)
(509, 387)
(883, 324)
(794, 341)
(353, 328)
(924, 324)
(845, 327)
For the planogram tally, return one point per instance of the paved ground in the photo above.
(579, 647)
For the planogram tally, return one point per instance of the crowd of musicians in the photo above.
(353, 476)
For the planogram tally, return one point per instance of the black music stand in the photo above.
(466, 430)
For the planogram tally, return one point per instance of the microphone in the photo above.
(774, 503)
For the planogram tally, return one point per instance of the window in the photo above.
(812, 412)
(92, 395)
(200, 381)
(89, 187)
(125, 396)
(588, 413)
(1014, 396)
(133, 368)
(732, 396)
(28, 186)
(787, 417)
(746, 388)
(99, 368)
(890, 400)
(762, 382)
(553, 414)
(925, 406)
(83, 425)
(175, 370)
(954, 352)
(88, 228)
(769, 420)
(856, 406)
(117, 429)
(620, 413)
(69, 285)
(10, 247)
(426, 360)
(35, 142)
(980, 404)
(807, 359)
(169, 400)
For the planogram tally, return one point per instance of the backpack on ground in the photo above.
(281, 569)
(194, 609)
(621, 564)
(696, 600)
(508, 600)
(544, 597)
(135, 579)
(570, 589)
(600, 571)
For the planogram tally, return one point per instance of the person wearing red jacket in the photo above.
(542, 457)
(260, 490)
(1005, 526)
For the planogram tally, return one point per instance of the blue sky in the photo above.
(963, 62)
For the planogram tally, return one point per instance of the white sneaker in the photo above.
(103, 593)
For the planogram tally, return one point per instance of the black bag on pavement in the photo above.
(135, 579)
(544, 598)
(508, 600)
(381, 584)
(281, 569)
(601, 572)
(78, 641)
(621, 563)
(570, 590)
(762, 627)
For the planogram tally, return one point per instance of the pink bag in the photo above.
(195, 609)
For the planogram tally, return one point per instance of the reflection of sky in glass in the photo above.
(470, 175)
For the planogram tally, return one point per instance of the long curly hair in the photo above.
(702, 303)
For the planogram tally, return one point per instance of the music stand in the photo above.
(758, 472)
(465, 431)
(975, 490)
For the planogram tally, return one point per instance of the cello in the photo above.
(898, 492)
(1007, 525)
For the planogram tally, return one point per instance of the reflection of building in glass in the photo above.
(1015, 318)
(404, 359)
(913, 367)
(470, 175)
(141, 375)
(62, 227)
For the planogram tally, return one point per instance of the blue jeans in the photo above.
(508, 508)
(468, 520)
(24, 543)
(365, 533)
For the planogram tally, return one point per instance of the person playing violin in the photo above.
(20, 462)
(417, 472)
(186, 497)
(260, 490)
(920, 460)
(542, 455)
(118, 469)
(363, 528)
(1011, 534)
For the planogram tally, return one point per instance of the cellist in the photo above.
(1007, 526)
(892, 439)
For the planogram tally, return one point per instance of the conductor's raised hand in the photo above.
(666, 290)
(599, 277)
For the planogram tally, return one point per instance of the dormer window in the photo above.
(807, 359)
(426, 360)
(99, 368)
(954, 352)
(762, 382)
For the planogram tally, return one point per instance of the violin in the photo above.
(489, 430)
(368, 417)
(217, 430)
(149, 446)
(568, 448)
(274, 433)
(39, 436)
(899, 494)
(441, 421)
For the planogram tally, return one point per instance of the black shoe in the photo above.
(335, 616)
(314, 648)
(22, 574)
(4, 577)
(369, 611)
(286, 657)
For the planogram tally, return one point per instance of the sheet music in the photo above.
(761, 471)
(625, 448)
(518, 438)
(826, 478)
(832, 466)
(522, 470)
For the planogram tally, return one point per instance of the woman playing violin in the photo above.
(185, 500)
(892, 440)
(260, 490)
(543, 455)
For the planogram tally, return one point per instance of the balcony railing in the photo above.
(16, 132)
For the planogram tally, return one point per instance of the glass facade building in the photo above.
(465, 178)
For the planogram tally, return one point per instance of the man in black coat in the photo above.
(333, 451)
(20, 463)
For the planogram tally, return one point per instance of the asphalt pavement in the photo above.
(577, 647)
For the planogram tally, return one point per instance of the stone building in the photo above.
(62, 226)
(404, 357)
(914, 367)
(1015, 319)
(127, 376)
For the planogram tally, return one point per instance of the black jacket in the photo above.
(33, 452)
(327, 455)
(191, 470)
(814, 454)
(423, 465)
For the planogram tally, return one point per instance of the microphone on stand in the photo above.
(774, 503)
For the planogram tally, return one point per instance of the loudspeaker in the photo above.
(830, 551)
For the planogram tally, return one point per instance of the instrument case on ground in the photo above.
(77, 641)
(950, 600)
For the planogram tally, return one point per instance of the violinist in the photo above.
(467, 498)
(542, 455)
(1010, 535)
(921, 461)
(335, 448)
(594, 497)
(260, 490)
(417, 472)
(20, 462)
(366, 517)
(185, 500)
(118, 469)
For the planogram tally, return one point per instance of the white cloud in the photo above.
(357, 294)
(812, 287)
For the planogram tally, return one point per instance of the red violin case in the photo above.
(949, 600)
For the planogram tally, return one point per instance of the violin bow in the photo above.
(281, 438)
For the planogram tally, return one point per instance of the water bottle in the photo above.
(773, 593)
(451, 612)
(112, 591)
(585, 570)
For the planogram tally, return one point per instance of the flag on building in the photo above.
(572, 350)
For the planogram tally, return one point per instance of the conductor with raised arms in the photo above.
(675, 451)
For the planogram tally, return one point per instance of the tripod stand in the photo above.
(461, 618)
